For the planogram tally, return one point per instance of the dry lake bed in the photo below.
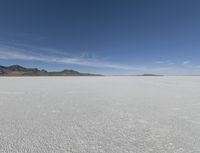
(100, 114)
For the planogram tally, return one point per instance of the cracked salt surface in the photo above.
(100, 115)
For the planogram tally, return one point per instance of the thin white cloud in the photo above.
(186, 62)
(14, 54)
(159, 62)
(166, 62)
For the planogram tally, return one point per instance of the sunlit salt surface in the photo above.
(100, 115)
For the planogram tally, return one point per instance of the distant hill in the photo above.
(140, 75)
(17, 70)
(150, 75)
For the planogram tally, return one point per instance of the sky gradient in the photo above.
(102, 36)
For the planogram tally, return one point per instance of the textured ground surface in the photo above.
(100, 115)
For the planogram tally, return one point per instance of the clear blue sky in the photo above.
(102, 36)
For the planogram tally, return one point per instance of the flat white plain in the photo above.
(100, 114)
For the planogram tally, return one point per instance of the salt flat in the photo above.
(100, 114)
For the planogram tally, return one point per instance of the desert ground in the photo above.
(100, 114)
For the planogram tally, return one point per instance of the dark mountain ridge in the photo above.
(17, 70)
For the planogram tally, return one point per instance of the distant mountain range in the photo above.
(149, 75)
(17, 70)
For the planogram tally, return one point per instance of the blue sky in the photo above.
(102, 36)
